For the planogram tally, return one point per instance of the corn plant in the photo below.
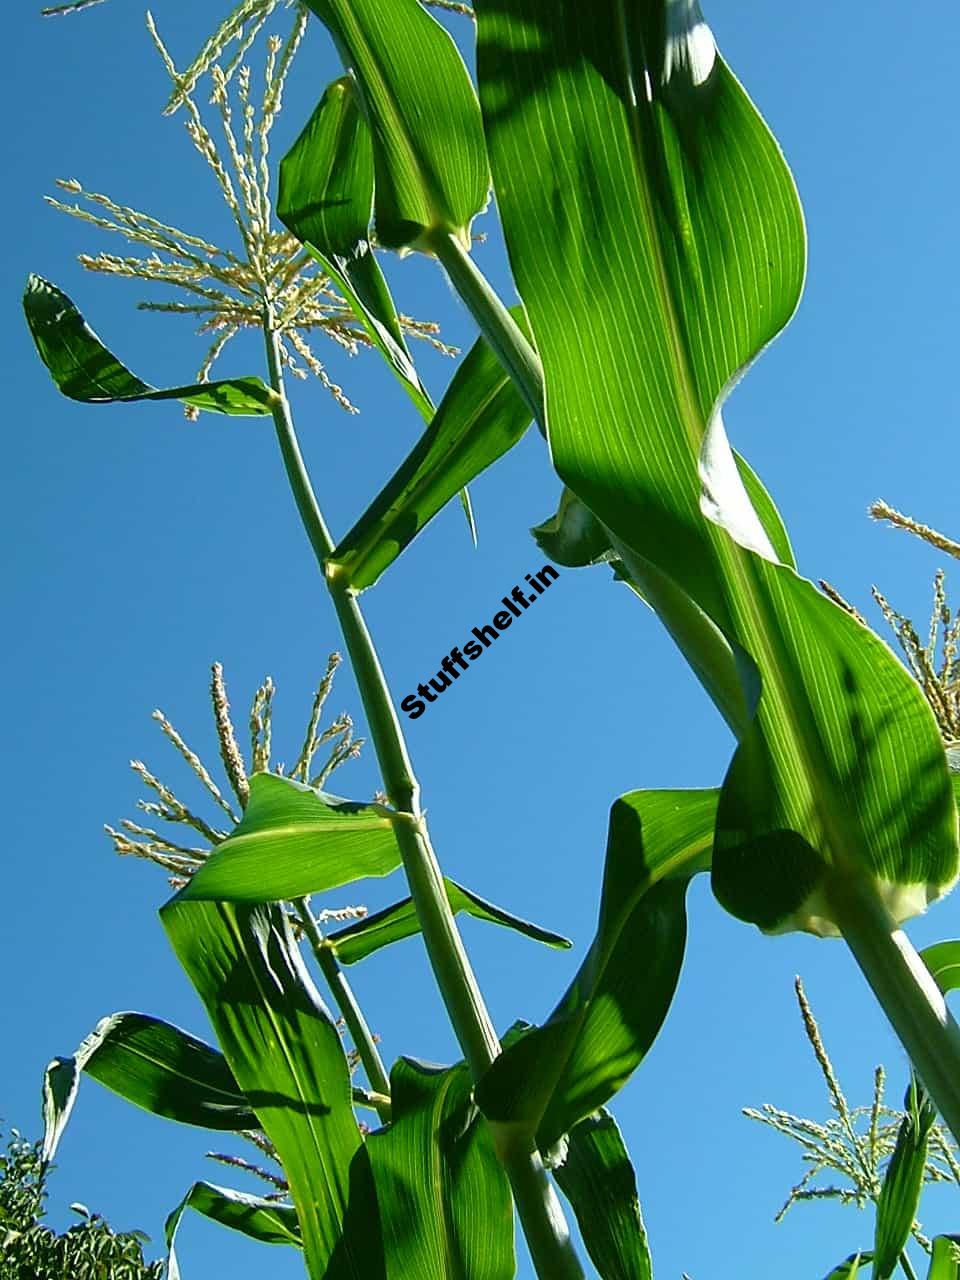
(657, 245)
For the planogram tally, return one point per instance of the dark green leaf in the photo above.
(325, 199)
(479, 419)
(85, 370)
(154, 1065)
(285, 1052)
(597, 1178)
(859, 744)
(677, 253)
(943, 961)
(849, 1269)
(398, 921)
(293, 841)
(263, 1220)
(444, 1200)
(557, 1074)
(903, 1182)
(429, 155)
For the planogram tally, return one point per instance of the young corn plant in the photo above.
(657, 244)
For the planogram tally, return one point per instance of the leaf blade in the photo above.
(325, 198)
(83, 369)
(259, 1219)
(598, 1179)
(443, 1195)
(555, 1075)
(154, 1065)
(398, 921)
(285, 1052)
(479, 419)
(293, 841)
(430, 159)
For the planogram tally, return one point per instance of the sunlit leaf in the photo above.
(429, 155)
(293, 841)
(902, 1182)
(399, 920)
(479, 419)
(444, 1200)
(325, 199)
(945, 1261)
(561, 1072)
(597, 1178)
(265, 1220)
(153, 1064)
(677, 252)
(286, 1054)
(85, 370)
(943, 961)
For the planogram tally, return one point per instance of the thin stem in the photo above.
(905, 989)
(906, 1266)
(537, 1205)
(346, 1002)
(508, 342)
(456, 980)
(541, 1216)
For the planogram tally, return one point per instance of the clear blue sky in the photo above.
(141, 548)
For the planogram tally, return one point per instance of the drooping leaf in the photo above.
(444, 1201)
(153, 1064)
(849, 1269)
(60, 1083)
(325, 198)
(943, 961)
(902, 1182)
(85, 370)
(398, 921)
(293, 841)
(430, 160)
(265, 1220)
(479, 419)
(286, 1054)
(597, 1178)
(561, 1072)
(677, 254)
(945, 1261)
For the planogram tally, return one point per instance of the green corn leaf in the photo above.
(574, 537)
(849, 1269)
(945, 1261)
(293, 841)
(943, 961)
(325, 199)
(597, 1178)
(398, 921)
(430, 160)
(72, 6)
(285, 1051)
(85, 370)
(153, 1065)
(263, 1220)
(563, 1071)
(444, 1201)
(479, 419)
(619, 136)
(903, 1182)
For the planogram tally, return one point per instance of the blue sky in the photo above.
(143, 548)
